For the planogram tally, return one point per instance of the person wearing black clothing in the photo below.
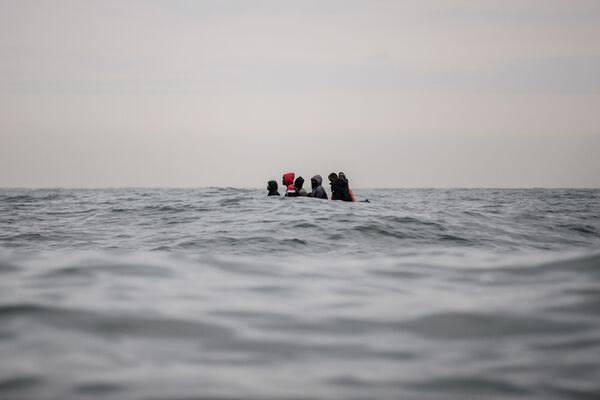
(339, 188)
(272, 188)
(298, 185)
(296, 190)
(342, 176)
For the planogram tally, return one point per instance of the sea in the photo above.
(225, 293)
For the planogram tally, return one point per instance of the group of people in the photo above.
(340, 189)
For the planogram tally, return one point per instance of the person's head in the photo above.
(316, 181)
(272, 186)
(332, 177)
(342, 175)
(288, 179)
(299, 182)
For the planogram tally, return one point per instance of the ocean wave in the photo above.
(223, 293)
(254, 224)
(22, 238)
(454, 314)
(496, 325)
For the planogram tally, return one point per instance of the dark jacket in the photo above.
(296, 190)
(272, 188)
(339, 190)
(341, 175)
(318, 191)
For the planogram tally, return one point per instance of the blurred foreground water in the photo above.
(224, 293)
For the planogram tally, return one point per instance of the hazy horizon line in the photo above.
(261, 188)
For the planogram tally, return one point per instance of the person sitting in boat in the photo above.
(298, 191)
(318, 192)
(288, 183)
(272, 188)
(339, 188)
(298, 185)
(341, 175)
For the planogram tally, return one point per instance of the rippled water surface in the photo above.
(224, 293)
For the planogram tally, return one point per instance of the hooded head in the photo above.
(332, 177)
(288, 179)
(272, 186)
(342, 175)
(299, 182)
(316, 181)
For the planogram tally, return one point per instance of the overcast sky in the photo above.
(417, 93)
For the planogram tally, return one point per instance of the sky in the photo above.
(182, 93)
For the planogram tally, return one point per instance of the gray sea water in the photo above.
(224, 293)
